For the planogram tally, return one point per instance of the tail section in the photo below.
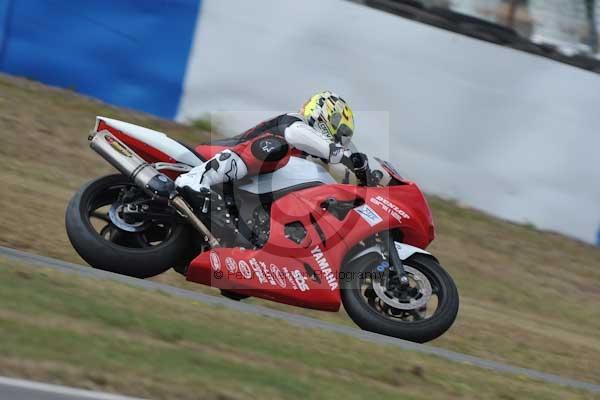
(152, 146)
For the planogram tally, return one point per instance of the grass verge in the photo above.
(109, 336)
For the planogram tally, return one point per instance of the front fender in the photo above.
(405, 251)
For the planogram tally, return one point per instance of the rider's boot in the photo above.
(195, 185)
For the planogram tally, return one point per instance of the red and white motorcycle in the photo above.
(294, 236)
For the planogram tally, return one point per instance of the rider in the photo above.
(322, 129)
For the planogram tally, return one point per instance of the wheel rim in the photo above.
(105, 216)
(421, 300)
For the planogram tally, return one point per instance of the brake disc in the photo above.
(420, 282)
(115, 217)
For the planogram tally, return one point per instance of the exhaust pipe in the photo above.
(131, 165)
(146, 177)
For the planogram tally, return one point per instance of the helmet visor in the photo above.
(344, 134)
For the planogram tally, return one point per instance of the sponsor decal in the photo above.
(276, 272)
(290, 279)
(267, 273)
(245, 269)
(231, 265)
(324, 267)
(115, 144)
(215, 261)
(390, 208)
(323, 127)
(300, 280)
(258, 271)
(368, 214)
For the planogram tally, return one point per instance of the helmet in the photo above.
(330, 114)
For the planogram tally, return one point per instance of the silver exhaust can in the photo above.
(120, 156)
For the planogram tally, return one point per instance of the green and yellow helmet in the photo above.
(330, 114)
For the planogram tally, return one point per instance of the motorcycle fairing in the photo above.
(302, 281)
(319, 255)
(296, 172)
(208, 151)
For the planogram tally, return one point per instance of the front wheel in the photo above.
(115, 226)
(420, 312)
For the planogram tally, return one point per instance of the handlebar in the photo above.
(358, 163)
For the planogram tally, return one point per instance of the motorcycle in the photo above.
(294, 236)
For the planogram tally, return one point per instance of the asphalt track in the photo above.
(293, 319)
(18, 389)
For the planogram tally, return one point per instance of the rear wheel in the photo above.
(420, 312)
(116, 227)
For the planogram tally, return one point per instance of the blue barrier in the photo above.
(130, 53)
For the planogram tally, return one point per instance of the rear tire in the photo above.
(419, 331)
(100, 253)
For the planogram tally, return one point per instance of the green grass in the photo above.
(528, 298)
(109, 336)
(207, 123)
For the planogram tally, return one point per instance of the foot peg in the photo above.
(199, 200)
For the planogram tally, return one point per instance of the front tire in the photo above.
(368, 310)
(113, 249)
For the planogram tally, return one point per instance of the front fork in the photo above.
(396, 263)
